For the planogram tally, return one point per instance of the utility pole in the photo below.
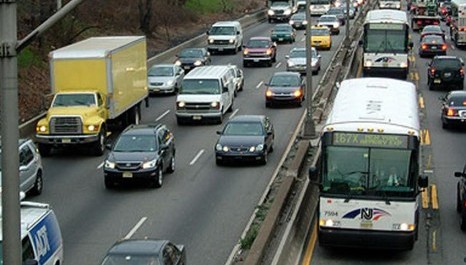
(9, 48)
(309, 127)
(12, 253)
(347, 23)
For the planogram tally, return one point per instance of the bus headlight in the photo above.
(328, 222)
(407, 227)
(368, 63)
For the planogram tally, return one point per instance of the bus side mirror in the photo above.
(423, 181)
(313, 174)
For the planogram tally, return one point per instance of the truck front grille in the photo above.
(66, 125)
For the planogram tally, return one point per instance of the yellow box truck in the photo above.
(99, 83)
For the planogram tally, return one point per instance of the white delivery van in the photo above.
(207, 93)
(225, 36)
(41, 238)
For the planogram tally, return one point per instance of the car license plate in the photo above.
(256, 60)
(66, 141)
(156, 89)
(433, 47)
(197, 117)
(127, 174)
(186, 67)
(280, 39)
(447, 74)
(366, 224)
(437, 81)
(385, 64)
(220, 49)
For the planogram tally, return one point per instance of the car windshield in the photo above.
(457, 101)
(320, 32)
(200, 86)
(285, 80)
(432, 39)
(161, 71)
(222, 30)
(335, 11)
(68, 100)
(327, 19)
(191, 53)
(299, 16)
(298, 54)
(430, 29)
(276, 4)
(135, 143)
(444, 63)
(125, 259)
(243, 128)
(258, 44)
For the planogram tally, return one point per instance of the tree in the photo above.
(145, 15)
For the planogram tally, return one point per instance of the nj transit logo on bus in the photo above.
(367, 214)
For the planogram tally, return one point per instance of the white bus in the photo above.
(458, 22)
(386, 43)
(371, 133)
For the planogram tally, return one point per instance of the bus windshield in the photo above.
(369, 172)
(381, 40)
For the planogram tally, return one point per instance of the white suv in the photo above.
(225, 36)
(30, 167)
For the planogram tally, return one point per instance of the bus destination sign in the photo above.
(386, 26)
(370, 140)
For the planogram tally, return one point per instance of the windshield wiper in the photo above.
(385, 197)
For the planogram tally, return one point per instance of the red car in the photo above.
(259, 50)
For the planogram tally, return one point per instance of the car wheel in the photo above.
(264, 158)
(157, 183)
(219, 162)
(274, 59)
(180, 121)
(430, 85)
(230, 109)
(171, 168)
(220, 119)
(268, 104)
(44, 149)
(459, 205)
(269, 63)
(271, 147)
(38, 184)
(445, 125)
(108, 183)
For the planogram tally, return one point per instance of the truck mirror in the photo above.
(225, 89)
(423, 181)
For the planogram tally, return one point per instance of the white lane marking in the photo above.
(278, 65)
(196, 157)
(453, 47)
(304, 38)
(260, 84)
(101, 165)
(135, 228)
(163, 115)
(233, 114)
(428, 171)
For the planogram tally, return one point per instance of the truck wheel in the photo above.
(99, 146)
(38, 184)
(44, 149)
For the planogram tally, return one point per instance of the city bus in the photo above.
(386, 44)
(458, 22)
(320, 7)
(368, 172)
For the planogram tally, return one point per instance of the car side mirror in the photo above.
(423, 181)
(225, 89)
(287, 57)
(219, 132)
(459, 174)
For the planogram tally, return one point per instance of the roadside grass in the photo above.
(28, 57)
(246, 242)
(208, 6)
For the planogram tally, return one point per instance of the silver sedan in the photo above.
(164, 78)
(296, 61)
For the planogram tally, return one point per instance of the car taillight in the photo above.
(452, 112)
(444, 47)
(419, 22)
(435, 22)
(432, 71)
(423, 46)
(461, 71)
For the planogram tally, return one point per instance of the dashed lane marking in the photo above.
(425, 198)
(278, 65)
(196, 157)
(421, 102)
(310, 246)
(259, 85)
(135, 228)
(163, 115)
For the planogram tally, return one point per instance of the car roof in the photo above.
(138, 246)
(458, 93)
(141, 129)
(446, 57)
(247, 118)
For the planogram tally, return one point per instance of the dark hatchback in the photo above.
(454, 109)
(461, 197)
(445, 72)
(298, 20)
(283, 33)
(432, 45)
(245, 138)
(140, 153)
(190, 58)
(145, 252)
(285, 88)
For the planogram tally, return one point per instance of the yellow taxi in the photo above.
(320, 37)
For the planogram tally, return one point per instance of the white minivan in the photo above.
(206, 93)
(225, 36)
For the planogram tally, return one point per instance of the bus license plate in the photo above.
(127, 174)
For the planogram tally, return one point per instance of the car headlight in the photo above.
(215, 104)
(252, 149)
(149, 164)
(368, 63)
(42, 128)
(290, 64)
(109, 164)
(245, 52)
(178, 62)
(232, 40)
(93, 128)
(287, 12)
(223, 148)
(218, 147)
(291, 22)
(268, 93)
(259, 147)
(297, 93)
(304, 22)
(336, 25)
(170, 82)
(211, 40)
(197, 63)
(181, 104)
(271, 12)
(313, 62)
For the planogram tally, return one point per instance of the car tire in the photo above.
(38, 184)
(108, 183)
(158, 182)
(445, 125)
(230, 109)
(218, 162)
(459, 205)
(430, 85)
(268, 104)
(264, 158)
(245, 64)
(44, 149)
(171, 167)
(180, 121)
(274, 59)
(269, 63)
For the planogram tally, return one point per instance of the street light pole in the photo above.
(347, 23)
(309, 127)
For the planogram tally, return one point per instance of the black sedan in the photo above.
(245, 138)
(432, 45)
(145, 252)
(454, 109)
(445, 72)
(298, 20)
(190, 58)
(285, 87)
(141, 152)
(461, 197)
